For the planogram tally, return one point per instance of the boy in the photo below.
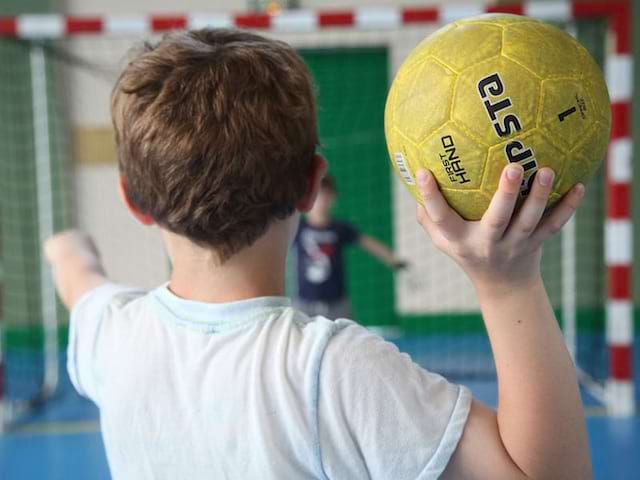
(214, 375)
(319, 259)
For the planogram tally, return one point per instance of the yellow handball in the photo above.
(482, 92)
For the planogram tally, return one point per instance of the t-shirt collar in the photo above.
(216, 317)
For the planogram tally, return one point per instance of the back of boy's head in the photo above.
(216, 134)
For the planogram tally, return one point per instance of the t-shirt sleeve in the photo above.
(349, 233)
(87, 317)
(380, 415)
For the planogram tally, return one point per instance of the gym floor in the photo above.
(62, 440)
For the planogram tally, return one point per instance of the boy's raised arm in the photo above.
(76, 265)
(381, 252)
(538, 431)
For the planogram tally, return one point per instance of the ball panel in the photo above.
(420, 103)
(410, 155)
(405, 159)
(567, 111)
(587, 156)
(425, 47)
(540, 149)
(594, 143)
(470, 111)
(515, 106)
(597, 87)
(470, 205)
(544, 49)
(467, 45)
(456, 160)
(561, 187)
(388, 110)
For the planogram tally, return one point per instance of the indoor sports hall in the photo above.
(59, 60)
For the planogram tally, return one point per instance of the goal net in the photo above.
(58, 169)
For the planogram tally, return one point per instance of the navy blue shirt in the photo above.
(319, 257)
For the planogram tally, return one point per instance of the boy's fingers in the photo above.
(560, 215)
(439, 213)
(432, 230)
(531, 212)
(69, 241)
(497, 217)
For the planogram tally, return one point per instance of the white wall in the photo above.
(133, 253)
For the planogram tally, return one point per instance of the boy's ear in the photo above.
(313, 187)
(143, 218)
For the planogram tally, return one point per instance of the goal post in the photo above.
(353, 54)
(33, 205)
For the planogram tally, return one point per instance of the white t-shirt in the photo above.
(255, 390)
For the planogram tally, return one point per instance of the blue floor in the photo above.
(62, 440)
(49, 446)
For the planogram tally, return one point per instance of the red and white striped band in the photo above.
(619, 227)
(619, 72)
(56, 26)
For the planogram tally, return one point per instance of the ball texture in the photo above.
(482, 92)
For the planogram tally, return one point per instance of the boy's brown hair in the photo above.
(216, 134)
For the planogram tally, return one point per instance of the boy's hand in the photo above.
(503, 249)
(75, 265)
(400, 265)
(71, 243)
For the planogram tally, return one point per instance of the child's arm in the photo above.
(76, 265)
(539, 430)
(381, 252)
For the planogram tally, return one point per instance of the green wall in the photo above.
(20, 310)
(352, 87)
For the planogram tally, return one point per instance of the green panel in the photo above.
(588, 319)
(352, 87)
(18, 201)
(20, 247)
(20, 305)
(25, 338)
(17, 7)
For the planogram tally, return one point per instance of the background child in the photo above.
(319, 250)
(214, 375)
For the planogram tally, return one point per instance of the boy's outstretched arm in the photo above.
(76, 265)
(538, 431)
(381, 252)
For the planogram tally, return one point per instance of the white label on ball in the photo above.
(402, 166)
